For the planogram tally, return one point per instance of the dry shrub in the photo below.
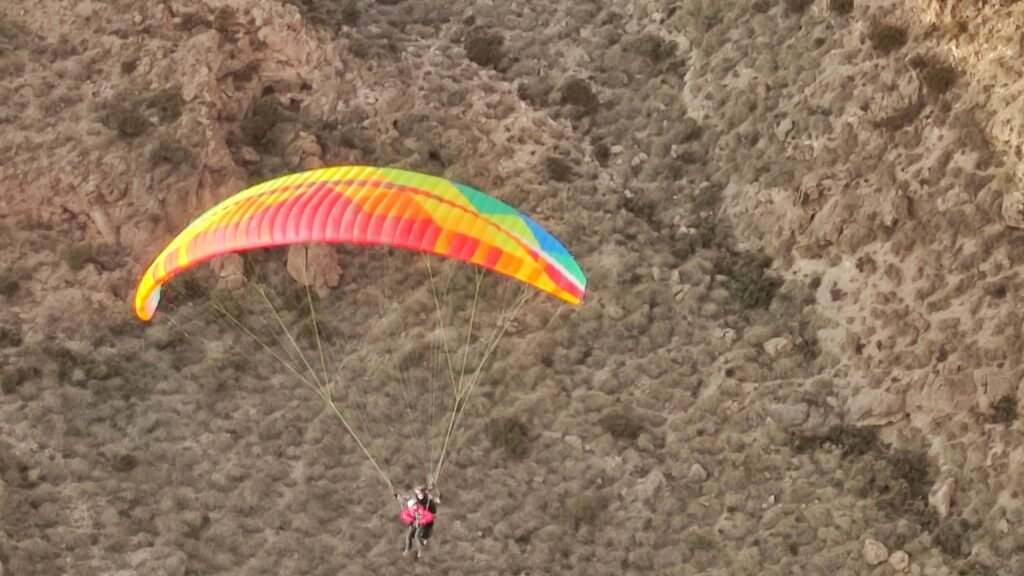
(124, 463)
(580, 510)
(651, 47)
(10, 337)
(510, 435)
(14, 376)
(1004, 411)
(840, 7)
(484, 48)
(953, 538)
(558, 169)
(168, 150)
(10, 285)
(166, 103)
(902, 117)
(621, 426)
(577, 92)
(897, 480)
(886, 37)
(126, 118)
(798, 6)
(330, 13)
(939, 78)
(258, 127)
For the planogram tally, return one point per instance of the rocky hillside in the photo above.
(800, 222)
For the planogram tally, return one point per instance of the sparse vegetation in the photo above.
(840, 7)
(886, 37)
(896, 480)
(510, 435)
(484, 48)
(10, 337)
(621, 426)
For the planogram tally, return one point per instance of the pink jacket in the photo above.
(417, 512)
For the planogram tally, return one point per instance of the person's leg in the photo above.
(419, 541)
(409, 535)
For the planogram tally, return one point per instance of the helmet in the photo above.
(411, 502)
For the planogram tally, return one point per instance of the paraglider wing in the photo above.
(367, 205)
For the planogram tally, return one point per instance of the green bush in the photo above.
(749, 282)
(886, 37)
(621, 426)
(510, 435)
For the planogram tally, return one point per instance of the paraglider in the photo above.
(367, 205)
(418, 514)
(387, 207)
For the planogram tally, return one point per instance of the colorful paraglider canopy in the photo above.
(367, 205)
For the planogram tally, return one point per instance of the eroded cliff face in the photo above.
(669, 145)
